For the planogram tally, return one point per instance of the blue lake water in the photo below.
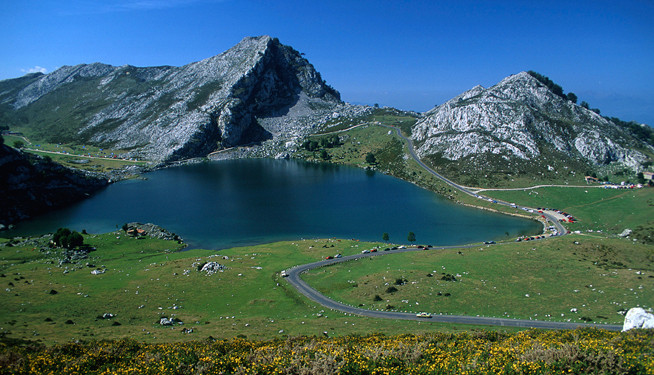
(223, 204)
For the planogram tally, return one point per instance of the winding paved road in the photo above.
(293, 276)
(296, 281)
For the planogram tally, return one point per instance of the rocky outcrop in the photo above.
(256, 91)
(520, 118)
(637, 317)
(30, 185)
(150, 230)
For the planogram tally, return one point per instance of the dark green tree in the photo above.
(75, 240)
(411, 237)
(385, 237)
(370, 158)
(324, 155)
(125, 227)
(584, 104)
(60, 238)
(572, 97)
(310, 145)
(19, 144)
(2, 140)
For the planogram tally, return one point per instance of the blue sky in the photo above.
(410, 55)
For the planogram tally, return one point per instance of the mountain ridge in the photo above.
(261, 92)
(168, 113)
(521, 119)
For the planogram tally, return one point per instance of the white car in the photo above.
(423, 315)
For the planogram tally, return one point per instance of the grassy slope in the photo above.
(239, 301)
(595, 275)
(596, 208)
(100, 161)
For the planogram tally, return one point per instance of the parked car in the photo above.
(338, 256)
(329, 257)
(489, 242)
(423, 315)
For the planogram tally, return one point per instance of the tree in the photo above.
(75, 239)
(125, 227)
(370, 158)
(411, 237)
(641, 178)
(385, 237)
(19, 144)
(60, 238)
(572, 97)
(310, 145)
(2, 140)
(584, 104)
(324, 155)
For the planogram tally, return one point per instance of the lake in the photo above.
(222, 204)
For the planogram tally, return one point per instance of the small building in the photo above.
(648, 175)
(591, 179)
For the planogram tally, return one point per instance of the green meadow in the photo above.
(574, 278)
(147, 279)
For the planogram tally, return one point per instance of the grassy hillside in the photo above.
(147, 279)
(84, 157)
(574, 278)
(596, 208)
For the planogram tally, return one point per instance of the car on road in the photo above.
(329, 257)
(423, 315)
(489, 242)
(338, 256)
(365, 251)
(284, 274)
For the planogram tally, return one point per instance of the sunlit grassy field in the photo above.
(90, 158)
(147, 279)
(574, 278)
(596, 208)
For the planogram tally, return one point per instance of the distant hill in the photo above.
(256, 91)
(521, 126)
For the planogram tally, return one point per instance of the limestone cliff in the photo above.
(256, 91)
(521, 119)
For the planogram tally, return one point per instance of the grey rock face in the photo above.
(256, 91)
(519, 118)
(30, 185)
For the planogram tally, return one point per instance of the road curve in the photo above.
(294, 276)
(559, 227)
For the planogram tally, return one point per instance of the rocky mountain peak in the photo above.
(257, 90)
(520, 118)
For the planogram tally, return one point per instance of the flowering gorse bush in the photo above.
(476, 352)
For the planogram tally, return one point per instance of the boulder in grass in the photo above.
(638, 318)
